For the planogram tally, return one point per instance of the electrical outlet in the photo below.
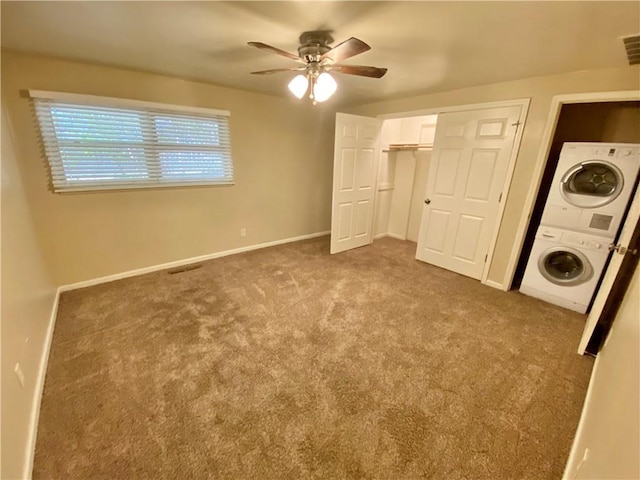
(243, 232)
(18, 371)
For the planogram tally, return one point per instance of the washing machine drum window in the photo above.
(565, 266)
(592, 184)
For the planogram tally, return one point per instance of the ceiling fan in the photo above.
(318, 59)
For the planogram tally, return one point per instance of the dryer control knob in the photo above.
(598, 245)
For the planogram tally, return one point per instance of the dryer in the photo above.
(564, 267)
(591, 187)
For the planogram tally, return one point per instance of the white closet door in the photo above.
(354, 181)
(466, 177)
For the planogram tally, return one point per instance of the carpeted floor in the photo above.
(289, 363)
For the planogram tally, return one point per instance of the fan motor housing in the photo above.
(314, 44)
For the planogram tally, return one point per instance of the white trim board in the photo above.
(396, 236)
(455, 108)
(506, 188)
(185, 261)
(27, 469)
(545, 147)
(491, 283)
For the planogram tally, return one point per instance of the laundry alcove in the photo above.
(605, 122)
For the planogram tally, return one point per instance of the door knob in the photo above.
(427, 201)
(617, 248)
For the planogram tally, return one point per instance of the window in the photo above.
(96, 143)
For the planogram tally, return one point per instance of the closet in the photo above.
(406, 145)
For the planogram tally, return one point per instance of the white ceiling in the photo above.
(427, 46)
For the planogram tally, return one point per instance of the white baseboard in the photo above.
(39, 390)
(396, 236)
(493, 284)
(186, 261)
(379, 236)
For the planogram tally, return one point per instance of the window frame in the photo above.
(140, 105)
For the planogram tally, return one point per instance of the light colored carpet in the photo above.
(291, 363)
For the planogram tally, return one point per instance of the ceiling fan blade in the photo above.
(373, 72)
(278, 70)
(346, 49)
(277, 51)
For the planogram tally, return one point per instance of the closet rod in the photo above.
(410, 148)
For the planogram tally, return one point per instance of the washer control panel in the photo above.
(581, 240)
(611, 152)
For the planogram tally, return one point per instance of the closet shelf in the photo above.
(412, 147)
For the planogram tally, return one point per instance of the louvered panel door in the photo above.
(354, 181)
(466, 176)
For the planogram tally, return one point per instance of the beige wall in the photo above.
(28, 294)
(283, 158)
(540, 90)
(610, 423)
(615, 122)
(623, 123)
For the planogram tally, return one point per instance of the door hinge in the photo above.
(500, 197)
(517, 125)
(485, 258)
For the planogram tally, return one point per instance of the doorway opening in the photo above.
(405, 154)
(603, 122)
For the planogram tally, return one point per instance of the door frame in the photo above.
(523, 103)
(546, 140)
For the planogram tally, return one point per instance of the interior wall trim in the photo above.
(185, 261)
(395, 235)
(27, 469)
(494, 284)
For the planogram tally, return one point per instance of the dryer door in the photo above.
(592, 184)
(565, 266)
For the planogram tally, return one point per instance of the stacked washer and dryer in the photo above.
(591, 189)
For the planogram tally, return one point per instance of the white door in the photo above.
(354, 181)
(467, 173)
(612, 272)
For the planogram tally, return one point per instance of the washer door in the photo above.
(565, 266)
(592, 184)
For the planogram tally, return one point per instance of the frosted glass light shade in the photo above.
(325, 87)
(299, 85)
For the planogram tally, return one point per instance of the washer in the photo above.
(564, 267)
(591, 187)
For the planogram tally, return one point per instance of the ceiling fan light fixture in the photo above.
(317, 58)
(299, 85)
(324, 87)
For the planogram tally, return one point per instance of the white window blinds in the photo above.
(91, 145)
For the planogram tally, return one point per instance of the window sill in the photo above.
(132, 187)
